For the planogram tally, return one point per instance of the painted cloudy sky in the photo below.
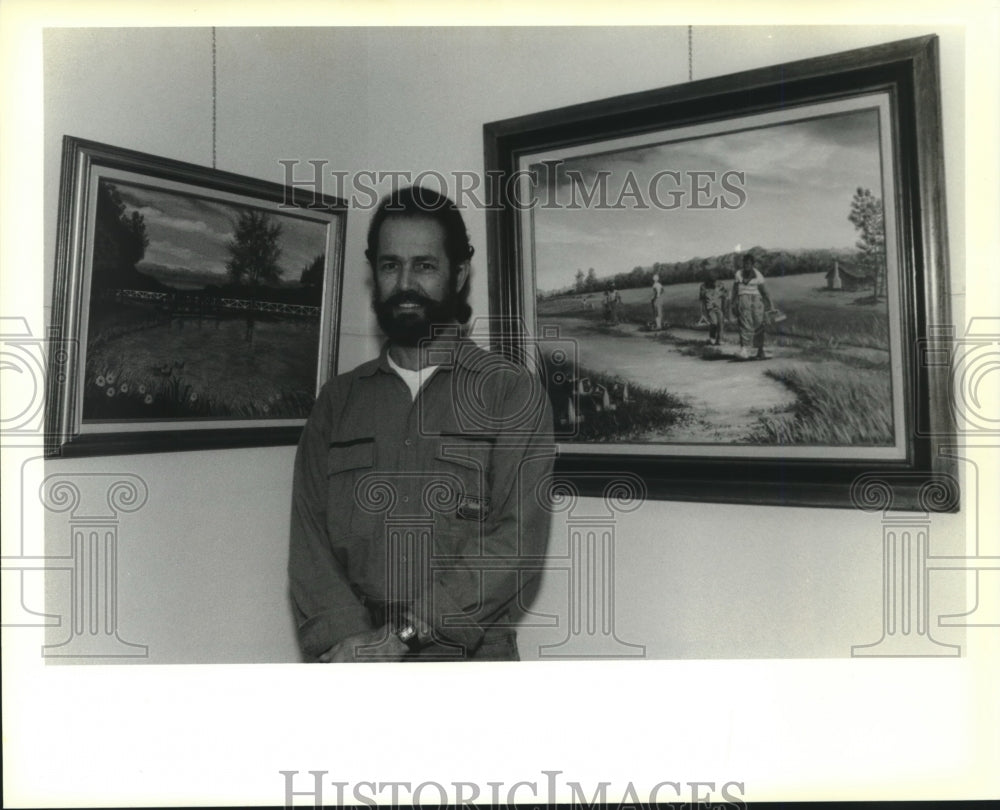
(800, 178)
(191, 233)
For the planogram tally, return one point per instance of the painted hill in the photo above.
(772, 263)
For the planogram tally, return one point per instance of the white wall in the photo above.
(202, 574)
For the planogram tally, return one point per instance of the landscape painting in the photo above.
(201, 306)
(736, 285)
(727, 289)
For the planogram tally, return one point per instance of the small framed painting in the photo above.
(192, 307)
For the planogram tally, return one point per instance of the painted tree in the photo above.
(868, 217)
(312, 273)
(254, 249)
(120, 241)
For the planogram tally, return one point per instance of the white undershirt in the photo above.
(414, 379)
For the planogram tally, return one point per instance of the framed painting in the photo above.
(736, 285)
(194, 308)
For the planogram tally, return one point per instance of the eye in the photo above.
(426, 266)
(388, 265)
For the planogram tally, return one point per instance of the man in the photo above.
(417, 516)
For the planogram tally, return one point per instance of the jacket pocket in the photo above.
(468, 459)
(352, 454)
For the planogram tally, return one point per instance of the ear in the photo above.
(462, 274)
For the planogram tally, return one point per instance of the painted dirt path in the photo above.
(725, 394)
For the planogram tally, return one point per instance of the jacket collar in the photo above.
(451, 350)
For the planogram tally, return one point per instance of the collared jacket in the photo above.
(438, 502)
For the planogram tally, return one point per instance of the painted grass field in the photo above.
(140, 366)
(828, 382)
(834, 407)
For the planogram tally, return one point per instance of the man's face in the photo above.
(414, 284)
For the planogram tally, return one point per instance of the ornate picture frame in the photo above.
(192, 308)
(653, 246)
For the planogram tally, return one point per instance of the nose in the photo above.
(405, 279)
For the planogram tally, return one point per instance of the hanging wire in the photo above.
(690, 52)
(213, 98)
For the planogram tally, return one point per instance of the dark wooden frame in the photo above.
(908, 71)
(63, 419)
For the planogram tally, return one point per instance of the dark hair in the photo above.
(416, 201)
(748, 260)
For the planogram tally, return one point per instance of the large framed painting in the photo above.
(733, 283)
(193, 307)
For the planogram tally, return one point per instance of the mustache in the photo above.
(408, 297)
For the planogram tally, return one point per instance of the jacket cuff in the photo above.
(449, 623)
(319, 633)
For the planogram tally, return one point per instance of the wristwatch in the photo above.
(409, 636)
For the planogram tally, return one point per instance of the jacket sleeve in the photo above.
(472, 592)
(325, 607)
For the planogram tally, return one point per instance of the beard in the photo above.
(408, 328)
